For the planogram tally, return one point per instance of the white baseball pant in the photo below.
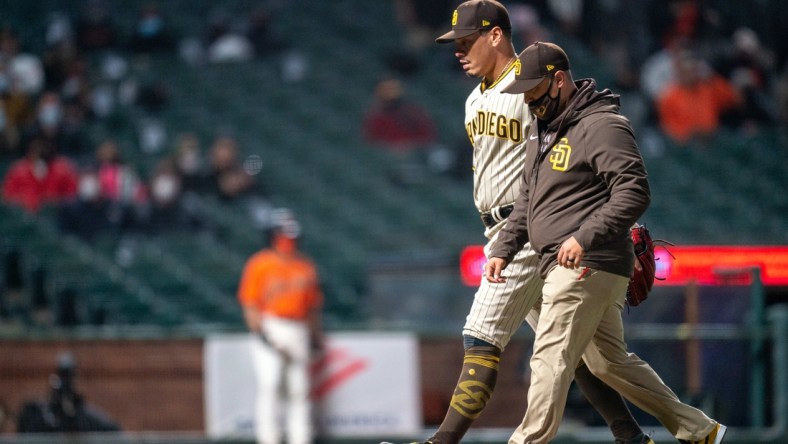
(283, 360)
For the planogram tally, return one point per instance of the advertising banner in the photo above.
(364, 384)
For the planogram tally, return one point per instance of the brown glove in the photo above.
(643, 276)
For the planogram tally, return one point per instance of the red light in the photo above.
(472, 260)
(705, 264)
(718, 264)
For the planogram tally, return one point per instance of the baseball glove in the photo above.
(643, 276)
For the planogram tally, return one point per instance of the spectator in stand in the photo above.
(401, 127)
(691, 107)
(21, 77)
(231, 47)
(49, 117)
(225, 40)
(25, 69)
(396, 123)
(659, 70)
(151, 32)
(120, 185)
(42, 177)
(66, 69)
(65, 134)
(167, 210)
(227, 178)
(189, 162)
(16, 113)
(88, 213)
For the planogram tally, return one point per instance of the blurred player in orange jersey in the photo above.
(281, 300)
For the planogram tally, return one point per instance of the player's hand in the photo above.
(493, 269)
(570, 254)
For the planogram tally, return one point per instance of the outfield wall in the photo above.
(157, 384)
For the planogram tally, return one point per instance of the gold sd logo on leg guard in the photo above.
(470, 399)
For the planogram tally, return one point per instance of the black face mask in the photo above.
(545, 108)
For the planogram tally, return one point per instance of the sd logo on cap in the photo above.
(476, 15)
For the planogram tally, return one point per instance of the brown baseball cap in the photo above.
(535, 64)
(476, 15)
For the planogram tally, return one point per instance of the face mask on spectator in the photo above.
(150, 26)
(50, 115)
(189, 162)
(165, 188)
(89, 187)
(40, 169)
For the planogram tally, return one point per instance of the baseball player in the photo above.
(496, 125)
(281, 301)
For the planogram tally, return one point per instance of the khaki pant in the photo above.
(581, 317)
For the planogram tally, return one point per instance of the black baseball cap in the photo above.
(476, 15)
(536, 63)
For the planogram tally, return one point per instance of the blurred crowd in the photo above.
(684, 68)
(53, 101)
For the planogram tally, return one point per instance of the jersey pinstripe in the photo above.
(497, 125)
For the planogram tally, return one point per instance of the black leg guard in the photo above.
(474, 388)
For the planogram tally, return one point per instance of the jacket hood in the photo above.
(587, 100)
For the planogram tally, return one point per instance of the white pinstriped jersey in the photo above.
(497, 125)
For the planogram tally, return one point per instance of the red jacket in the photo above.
(33, 183)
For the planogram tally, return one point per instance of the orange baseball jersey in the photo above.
(280, 285)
